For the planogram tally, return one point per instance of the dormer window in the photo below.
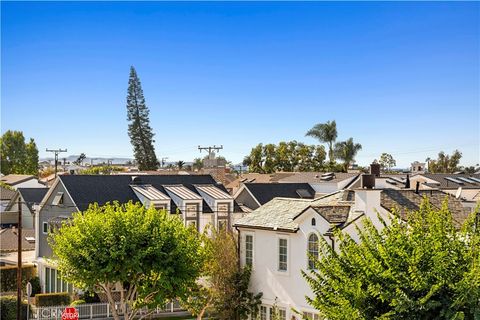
(314, 222)
(191, 209)
(58, 199)
(223, 208)
(160, 207)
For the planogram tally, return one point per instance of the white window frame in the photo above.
(58, 199)
(308, 249)
(245, 248)
(263, 308)
(283, 237)
(45, 223)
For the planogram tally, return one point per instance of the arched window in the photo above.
(312, 250)
(314, 222)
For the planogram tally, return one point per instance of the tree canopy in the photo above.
(445, 163)
(426, 269)
(327, 133)
(18, 157)
(139, 130)
(223, 288)
(148, 253)
(347, 151)
(387, 162)
(286, 156)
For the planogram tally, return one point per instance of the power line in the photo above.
(56, 151)
(211, 150)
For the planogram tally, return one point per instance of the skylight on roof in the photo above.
(475, 179)
(466, 180)
(455, 180)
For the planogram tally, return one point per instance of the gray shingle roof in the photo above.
(279, 214)
(264, 192)
(450, 184)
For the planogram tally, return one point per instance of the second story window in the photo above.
(58, 199)
(191, 209)
(282, 254)
(223, 209)
(312, 250)
(45, 228)
(248, 249)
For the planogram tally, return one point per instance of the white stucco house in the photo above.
(277, 238)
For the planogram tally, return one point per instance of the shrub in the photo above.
(8, 308)
(8, 277)
(53, 299)
(36, 288)
(77, 302)
(90, 297)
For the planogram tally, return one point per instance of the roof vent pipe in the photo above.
(136, 180)
(417, 186)
(407, 183)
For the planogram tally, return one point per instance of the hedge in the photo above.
(8, 308)
(52, 299)
(8, 277)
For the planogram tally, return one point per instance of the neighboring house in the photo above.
(21, 181)
(466, 187)
(251, 196)
(9, 246)
(321, 182)
(30, 198)
(279, 238)
(5, 196)
(417, 167)
(197, 198)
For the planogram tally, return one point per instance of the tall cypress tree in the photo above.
(139, 130)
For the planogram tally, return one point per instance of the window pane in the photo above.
(282, 314)
(282, 254)
(53, 278)
(312, 250)
(263, 313)
(58, 282)
(249, 250)
(47, 280)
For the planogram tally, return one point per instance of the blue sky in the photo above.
(401, 77)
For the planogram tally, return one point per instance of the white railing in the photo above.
(95, 311)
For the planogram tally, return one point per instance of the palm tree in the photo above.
(180, 164)
(346, 151)
(327, 133)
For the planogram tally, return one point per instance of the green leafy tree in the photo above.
(16, 156)
(445, 163)
(223, 288)
(270, 162)
(425, 269)
(326, 133)
(346, 151)
(254, 161)
(387, 162)
(149, 254)
(197, 164)
(139, 130)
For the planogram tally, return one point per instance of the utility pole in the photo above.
(56, 151)
(163, 161)
(210, 150)
(19, 261)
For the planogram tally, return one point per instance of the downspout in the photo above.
(238, 247)
(332, 239)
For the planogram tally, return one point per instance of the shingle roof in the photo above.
(9, 239)
(449, 183)
(279, 214)
(6, 194)
(264, 192)
(315, 177)
(32, 196)
(13, 179)
(406, 201)
(86, 189)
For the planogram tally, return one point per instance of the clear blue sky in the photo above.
(401, 78)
